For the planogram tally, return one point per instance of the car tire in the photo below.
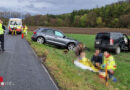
(40, 40)
(118, 50)
(71, 46)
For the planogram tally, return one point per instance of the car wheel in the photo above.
(118, 50)
(71, 46)
(40, 40)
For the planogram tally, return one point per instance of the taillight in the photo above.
(111, 41)
(34, 32)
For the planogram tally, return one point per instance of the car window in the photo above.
(37, 30)
(43, 30)
(125, 36)
(59, 34)
(116, 36)
(40, 29)
(126, 39)
(104, 36)
(50, 32)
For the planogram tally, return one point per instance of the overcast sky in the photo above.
(51, 6)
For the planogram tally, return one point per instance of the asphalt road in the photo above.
(21, 69)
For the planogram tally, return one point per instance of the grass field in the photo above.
(69, 77)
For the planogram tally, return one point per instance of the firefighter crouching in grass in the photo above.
(110, 65)
(25, 28)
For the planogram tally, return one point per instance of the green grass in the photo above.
(70, 77)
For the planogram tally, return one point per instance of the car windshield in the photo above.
(15, 23)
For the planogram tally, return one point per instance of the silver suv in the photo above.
(54, 37)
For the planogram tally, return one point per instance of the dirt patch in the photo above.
(84, 30)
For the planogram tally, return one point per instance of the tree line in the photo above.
(115, 15)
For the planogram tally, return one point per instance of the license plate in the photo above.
(97, 42)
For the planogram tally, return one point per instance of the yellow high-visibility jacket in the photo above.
(25, 29)
(1, 29)
(110, 62)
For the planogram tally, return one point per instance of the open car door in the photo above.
(129, 45)
(126, 38)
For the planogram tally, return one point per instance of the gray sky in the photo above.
(51, 6)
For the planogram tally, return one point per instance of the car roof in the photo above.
(50, 29)
(109, 33)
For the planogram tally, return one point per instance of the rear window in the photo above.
(105, 36)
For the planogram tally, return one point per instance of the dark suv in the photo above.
(113, 41)
(54, 37)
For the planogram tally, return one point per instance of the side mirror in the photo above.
(64, 36)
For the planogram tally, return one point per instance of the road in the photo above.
(21, 69)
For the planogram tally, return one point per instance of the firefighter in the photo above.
(109, 62)
(14, 31)
(2, 28)
(25, 28)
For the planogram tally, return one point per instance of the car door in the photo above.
(117, 37)
(127, 41)
(60, 38)
(49, 36)
(129, 44)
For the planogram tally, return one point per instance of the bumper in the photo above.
(33, 38)
(106, 47)
(18, 31)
